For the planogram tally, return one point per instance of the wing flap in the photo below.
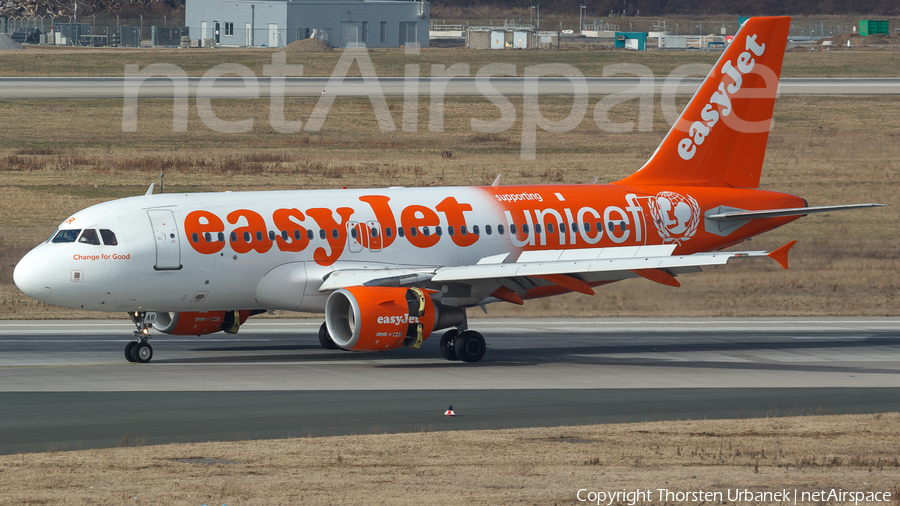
(537, 269)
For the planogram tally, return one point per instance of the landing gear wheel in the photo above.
(128, 347)
(447, 341)
(325, 338)
(469, 346)
(142, 352)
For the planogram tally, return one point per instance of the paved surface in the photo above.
(234, 87)
(67, 385)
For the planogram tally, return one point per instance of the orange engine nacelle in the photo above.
(198, 323)
(374, 318)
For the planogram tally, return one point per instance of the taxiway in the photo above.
(66, 384)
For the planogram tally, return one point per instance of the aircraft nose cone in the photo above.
(34, 277)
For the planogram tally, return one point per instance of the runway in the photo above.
(235, 87)
(66, 385)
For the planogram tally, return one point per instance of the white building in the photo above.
(276, 23)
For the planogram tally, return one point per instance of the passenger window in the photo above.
(437, 230)
(487, 229)
(388, 232)
(221, 237)
(247, 237)
(195, 238)
(462, 230)
(353, 232)
(500, 229)
(525, 228)
(450, 230)
(374, 232)
(512, 229)
(334, 233)
(322, 233)
(67, 235)
(537, 228)
(550, 228)
(109, 237)
(90, 237)
(475, 230)
(426, 231)
(400, 232)
(310, 235)
(413, 231)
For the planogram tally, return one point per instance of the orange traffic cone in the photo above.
(450, 412)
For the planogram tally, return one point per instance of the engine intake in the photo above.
(370, 318)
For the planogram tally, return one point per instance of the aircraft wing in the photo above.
(568, 268)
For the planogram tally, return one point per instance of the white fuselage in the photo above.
(190, 252)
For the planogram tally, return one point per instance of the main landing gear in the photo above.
(467, 345)
(140, 350)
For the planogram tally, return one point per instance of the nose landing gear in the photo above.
(140, 350)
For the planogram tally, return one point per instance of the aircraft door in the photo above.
(168, 243)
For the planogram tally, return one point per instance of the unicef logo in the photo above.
(675, 216)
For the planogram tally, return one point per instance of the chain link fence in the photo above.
(67, 31)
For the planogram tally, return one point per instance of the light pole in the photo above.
(581, 15)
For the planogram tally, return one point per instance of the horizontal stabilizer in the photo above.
(777, 213)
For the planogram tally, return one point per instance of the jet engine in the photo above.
(196, 323)
(374, 318)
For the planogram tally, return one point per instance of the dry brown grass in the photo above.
(72, 61)
(830, 150)
(523, 466)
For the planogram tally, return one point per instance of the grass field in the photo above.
(63, 61)
(64, 155)
(802, 454)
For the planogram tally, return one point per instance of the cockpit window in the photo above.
(90, 237)
(67, 235)
(52, 235)
(109, 237)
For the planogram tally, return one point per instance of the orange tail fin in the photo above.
(720, 138)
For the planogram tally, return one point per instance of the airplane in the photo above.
(389, 267)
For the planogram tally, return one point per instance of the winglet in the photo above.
(150, 190)
(781, 254)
